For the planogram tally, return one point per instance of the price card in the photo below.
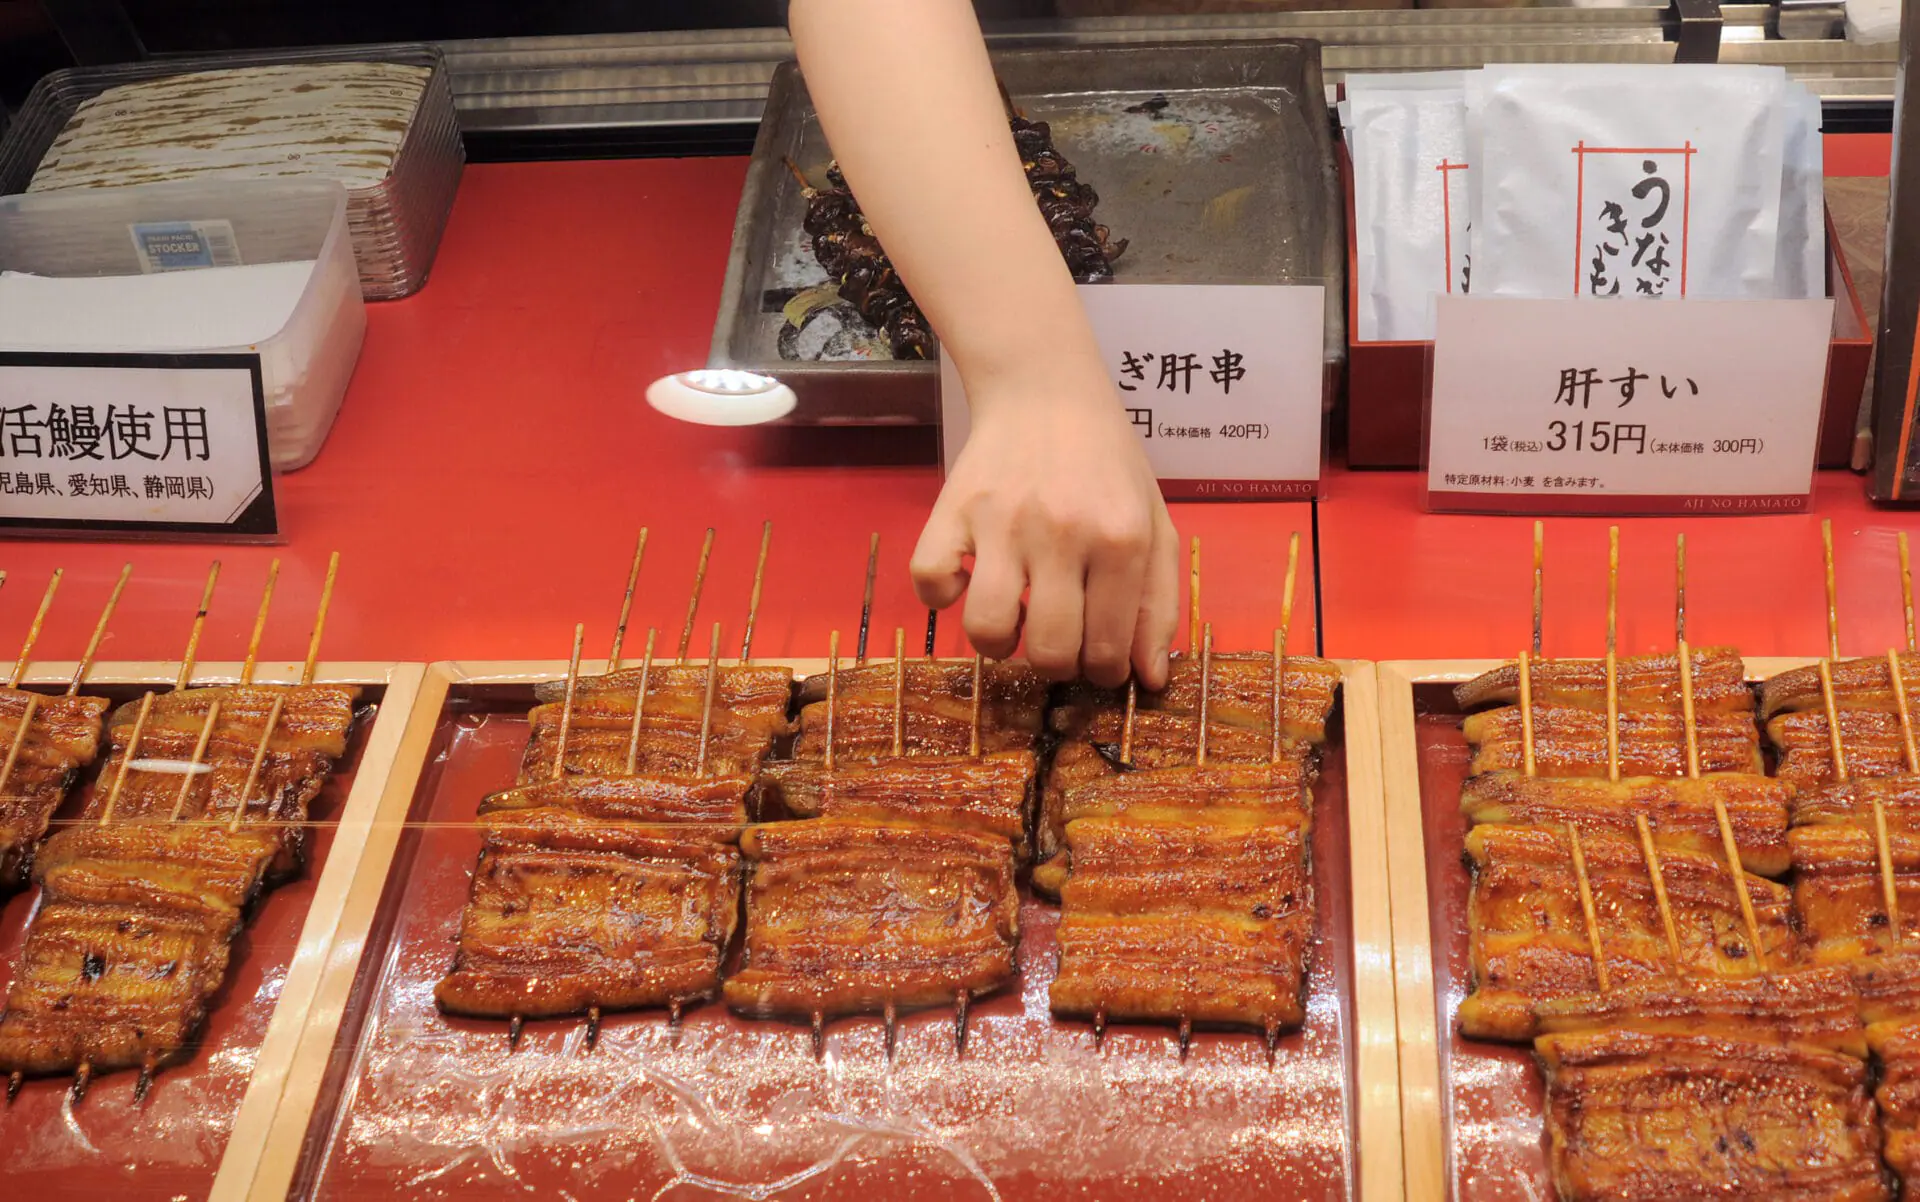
(1597, 406)
(1223, 382)
(134, 444)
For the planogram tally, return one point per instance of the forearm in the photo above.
(908, 101)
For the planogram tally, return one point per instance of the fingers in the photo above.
(1055, 600)
(1116, 574)
(992, 617)
(1159, 603)
(939, 559)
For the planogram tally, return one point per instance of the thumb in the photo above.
(939, 559)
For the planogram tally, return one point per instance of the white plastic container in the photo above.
(240, 265)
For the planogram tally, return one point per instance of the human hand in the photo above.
(1052, 497)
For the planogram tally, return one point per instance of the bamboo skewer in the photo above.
(19, 739)
(753, 600)
(1587, 907)
(1280, 644)
(566, 705)
(199, 625)
(693, 602)
(312, 663)
(1728, 843)
(933, 631)
(1835, 746)
(640, 704)
(1906, 591)
(33, 629)
(259, 624)
(1833, 608)
(1206, 683)
(99, 631)
(1126, 726)
(259, 761)
(973, 735)
(899, 692)
(199, 759)
(126, 759)
(1539, 580)
(866, 599)
(1193, 596)
(626, 602)
(1526, 711)
(1882, 846)
(833, 692)
(706, 706)
(1659, 878)
(1897, 679)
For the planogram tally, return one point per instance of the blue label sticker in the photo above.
(184, 245)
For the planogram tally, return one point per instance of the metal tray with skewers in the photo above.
(189, 1121)
(1819, 967)
(1213, 163)
(940, 1102)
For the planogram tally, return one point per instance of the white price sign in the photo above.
(155, 444)
(1599, 406)
(1222, 381)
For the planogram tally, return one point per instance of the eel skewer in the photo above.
(516, 1022)
(693, 602)
(626, 602)
(753, 601)
(866, 600)
(1882, 851)
(1727, 840)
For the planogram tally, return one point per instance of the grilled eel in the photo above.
(63, 738)
(1239, 694)
(668, 746)
(1819, 1007)
(129, 944)
(1160, 740)
(1680, 812)
(1850, 803)
(1897, 1046)
(612, 893)
(1872, 742)
(1012, 696)
(987, 795)
(845, 917)
(750, 696)
(1837, 889)
(1573, 742)
(1858, 684)
(1641, 682)
(863, 730)
(1281, 789)
(1632, 1115)
(1204, 921)
(1527, 935)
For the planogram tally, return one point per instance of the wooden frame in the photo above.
(380, 822)
(321, 926)
(1422, 1135)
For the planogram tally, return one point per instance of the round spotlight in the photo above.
(721, 397)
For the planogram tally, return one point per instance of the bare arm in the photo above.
(1052, 496)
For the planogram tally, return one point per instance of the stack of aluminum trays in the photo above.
(274, 114)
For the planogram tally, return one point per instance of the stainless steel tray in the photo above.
(1232, 182)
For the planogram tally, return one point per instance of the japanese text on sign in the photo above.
(1223, 383)
(1572, 406)
(145, 442)
(1632, 215)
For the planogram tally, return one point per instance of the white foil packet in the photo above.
(1407, 136)
(1618, 180)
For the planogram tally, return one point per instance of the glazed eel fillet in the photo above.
(131, 938)
(129, 944)
(1201, 919)
(1240, 689)
(1819, 1007)
(1012, 696)
(987, 795)
(63, 738)
(1680, 812)
(1873, 743)
(745, 697)
(1571, 741)
(1850, 803)
(1161, 739)
(1653, 1117)
(1527, 935)
(1858, 684)
(1897, 1046)
(1838, 891)
(847, 916)
(1641, 683)
(608, 893)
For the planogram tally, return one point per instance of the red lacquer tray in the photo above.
(411, 1103)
